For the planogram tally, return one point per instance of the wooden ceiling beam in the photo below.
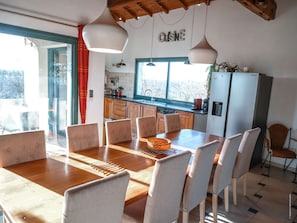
(134, 15)
(129, 9)
(145, 9)
(263, 8)
(185, 6)
(163, 7)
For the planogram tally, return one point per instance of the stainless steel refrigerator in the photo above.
(238, 102)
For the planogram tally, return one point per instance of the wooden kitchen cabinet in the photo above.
(118, 109)
(135, 110)
(148, 110)
(107, 107)
(114, 108)
(160, 123)
(186, 119)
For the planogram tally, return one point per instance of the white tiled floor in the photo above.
(267, 200)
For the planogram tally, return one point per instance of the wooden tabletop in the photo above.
(33, 191)
(189, 139)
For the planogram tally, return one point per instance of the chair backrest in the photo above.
(118, 131)
(172, 122)
(278, 134)
(97, 201)
(146, 126)
(82, 136)
(245, 152)
(224, 168)
(165, 192)
(22, 147)
(197, 180)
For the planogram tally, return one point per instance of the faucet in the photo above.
(149, 92)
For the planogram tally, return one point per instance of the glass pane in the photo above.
(33, 86)
(187, 81)
(152, 80)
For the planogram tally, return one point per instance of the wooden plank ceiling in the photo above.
(123, 10)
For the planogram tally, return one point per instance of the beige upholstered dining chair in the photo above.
(197, 180)
(22, 147)
(222, 175)
(146, 126)
(165, 192)
(118, 131)
(172, 122)
(82, 136)
(243, 160)
(97, 201)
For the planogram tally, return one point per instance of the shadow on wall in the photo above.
(283, 102)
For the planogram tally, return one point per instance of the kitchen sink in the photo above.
(150, 102)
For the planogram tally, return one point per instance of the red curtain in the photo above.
(83, 70)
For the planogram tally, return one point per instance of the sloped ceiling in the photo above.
(133, 9)
(75, 12)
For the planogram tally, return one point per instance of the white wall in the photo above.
(95, 106)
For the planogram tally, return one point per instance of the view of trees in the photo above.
(11, 84)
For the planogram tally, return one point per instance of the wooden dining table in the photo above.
(33, 191)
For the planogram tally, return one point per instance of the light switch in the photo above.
(91, 93)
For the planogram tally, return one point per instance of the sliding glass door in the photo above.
(37, 84)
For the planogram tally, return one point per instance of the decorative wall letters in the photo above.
(172, 36)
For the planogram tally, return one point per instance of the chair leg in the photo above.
(234, 188)
(269, 166)
(215, 207)
(287, 166)
(294, 180)
(226, 198)
(263, 163)
(202, 211)
(245, 176)
(185, 217)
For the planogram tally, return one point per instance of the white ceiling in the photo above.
(72, 12)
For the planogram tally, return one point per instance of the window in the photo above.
(171, 80)
(37, 78)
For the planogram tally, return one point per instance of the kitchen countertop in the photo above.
(159, 104)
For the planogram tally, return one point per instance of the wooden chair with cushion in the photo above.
(82, 136)
(222, 174)
(275, 139)
(22, 147)
(172, 122)
(101, 200)
(197, 180)
(165, 192)
(146, 126)
(118, 131)
(243, 160)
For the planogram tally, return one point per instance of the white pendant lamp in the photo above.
(105, 35)
(203, 52)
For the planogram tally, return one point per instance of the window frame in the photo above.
(26, 32)
(165, 59)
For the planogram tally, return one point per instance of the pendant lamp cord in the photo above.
(152, 38)
(205, 19)
(192, 26)
(122, 59)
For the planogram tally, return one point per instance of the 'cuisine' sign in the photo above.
(172, 36)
